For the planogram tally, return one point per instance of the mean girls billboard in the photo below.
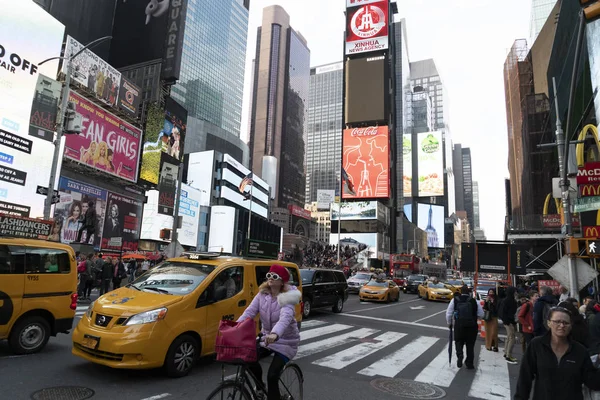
(106, 143)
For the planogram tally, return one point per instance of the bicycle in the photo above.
(246, 386)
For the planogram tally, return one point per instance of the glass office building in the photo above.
(540, 11)
(324, 129)
(211, 83)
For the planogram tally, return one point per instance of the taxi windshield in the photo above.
(179, 278)
(455, 282)
(436, 285)
(362, 276)
(374, 282)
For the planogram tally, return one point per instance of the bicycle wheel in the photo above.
(229, 391)
(291, 382)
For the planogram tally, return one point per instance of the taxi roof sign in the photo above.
(200, 255)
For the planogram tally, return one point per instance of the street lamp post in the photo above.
(60, 120)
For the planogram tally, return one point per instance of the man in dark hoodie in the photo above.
(541, 311)
(508, 309)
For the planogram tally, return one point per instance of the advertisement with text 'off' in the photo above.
(366, 161)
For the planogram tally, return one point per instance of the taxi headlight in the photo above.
(147, 317)
(90, 309)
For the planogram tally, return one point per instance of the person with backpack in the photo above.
(541, 310)
(462, 314)
(525, 316)
(507, 311)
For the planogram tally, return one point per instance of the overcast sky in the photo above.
(469, 41)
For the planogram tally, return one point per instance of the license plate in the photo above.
(444, 297)
(90, 342)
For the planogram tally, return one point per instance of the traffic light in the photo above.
(591, 10)
(165, 234)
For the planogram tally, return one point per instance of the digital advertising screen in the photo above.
(430, 156)
(367, 27)
(430, 218)
(407, 164)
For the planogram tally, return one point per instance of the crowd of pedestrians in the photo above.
(320, 255)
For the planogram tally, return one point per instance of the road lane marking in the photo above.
(158, 396)
(438, 372)
(393, 364)
(395, 321)
(380, 307)
(432, 315)
(325, 330)
(312, 323)
(344, 358)
(322, 345)
(491, 377)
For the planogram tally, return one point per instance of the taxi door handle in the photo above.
(241, 303)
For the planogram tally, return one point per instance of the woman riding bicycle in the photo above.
(275, 303)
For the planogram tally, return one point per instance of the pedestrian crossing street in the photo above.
(356, 350)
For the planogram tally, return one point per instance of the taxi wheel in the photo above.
(182, 356)
(29, 335)
(388, 298)
(397, 297)
(427, 296)
(339, 305)
(418, 294)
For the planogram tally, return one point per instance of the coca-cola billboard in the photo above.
(366, 161)
(367, 27)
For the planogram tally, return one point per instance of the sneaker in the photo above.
(511, 360)
(459, 362)
(470, 366)
(495, 349)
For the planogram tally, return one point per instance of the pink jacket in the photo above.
(277, 316)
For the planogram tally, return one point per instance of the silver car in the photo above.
(357, 281)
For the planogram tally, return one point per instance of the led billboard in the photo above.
(325, 198)
(430, 218)
(44, 108)
(366, 161)
(354, 211)
(407, 164)
(28, 35)
(93, 72)
(367, 27)
(222, 228)
(365, 243)
(430, 156)
(106, 143)
(122, 220)
(367, 97)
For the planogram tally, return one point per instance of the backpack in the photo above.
(546, 315)
(81, 268)
(526, 305)
(464, 313)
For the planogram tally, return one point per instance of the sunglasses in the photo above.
(274, 276)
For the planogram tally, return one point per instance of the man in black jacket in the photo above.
(541, 309)
(462, 314)
(508, 309)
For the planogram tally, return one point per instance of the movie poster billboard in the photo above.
(28, 35)
(366, 161)
(431, 164)
(129, 97)
(75, 198)
(407, 164)
(106, 143)
(367, 27)
(44, 108)
(123, 218)
(93, 72)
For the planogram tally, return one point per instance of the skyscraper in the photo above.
(279, 103)
(324, 129)
(463, 180)
(425, 77)
(476, 205)
(540, 10)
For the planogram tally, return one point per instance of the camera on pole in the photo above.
(73, 121)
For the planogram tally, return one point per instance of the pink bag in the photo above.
(236, 342)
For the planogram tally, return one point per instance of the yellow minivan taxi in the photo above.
(170, 316)
(38, 292)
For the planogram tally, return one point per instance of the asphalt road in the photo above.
(368, 351)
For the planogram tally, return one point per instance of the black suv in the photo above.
(323, 288)
(411, 284)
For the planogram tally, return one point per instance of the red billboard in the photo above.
(106, 142)
(589, 173)
(366, 161)
(367, 27)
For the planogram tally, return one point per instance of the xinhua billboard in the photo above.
(367, 27)
(366, 161)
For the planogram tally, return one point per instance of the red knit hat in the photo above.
(281, 271)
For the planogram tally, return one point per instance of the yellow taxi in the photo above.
(38, 292)
(430, 290)
(170, 316)
(379, 290)
(455, 285)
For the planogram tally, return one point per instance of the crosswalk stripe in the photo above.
(322, 345)
(491, 378)
(438, 372)
(360, 351)
(312, 323)
(392, 364)
(325, 330)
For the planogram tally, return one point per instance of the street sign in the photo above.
(593, 248)
(44, 191)
(587, 204)
(115, 242)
